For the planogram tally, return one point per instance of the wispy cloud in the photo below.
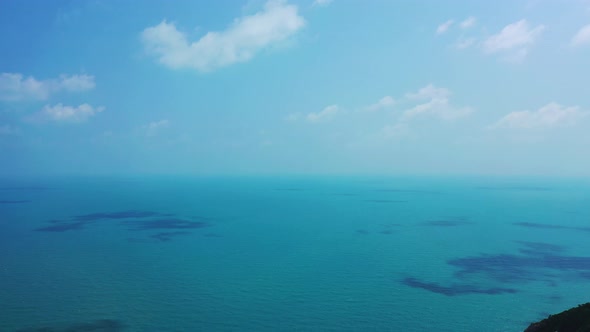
(17, 87)
(548, 116)
(153, 128)
(385, 102)
(326, 114)
(429, 92)
(444, 27)
(468, 22)
(437, 105)
(66, 114)
(582, 37)
(238, 43)
(322, 2)
(513, 41)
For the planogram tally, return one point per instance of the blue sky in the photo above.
(295, 87)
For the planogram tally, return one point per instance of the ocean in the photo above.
(297, 253)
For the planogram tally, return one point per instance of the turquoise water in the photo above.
(291, 254)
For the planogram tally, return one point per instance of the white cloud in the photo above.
(384, 102)
(322, 2)
(64, 113)
(238, 43)
(429, 92)
(7, 130)
(325, 115)
(582, 37)
(444, 27)
(152, 128)
(548, 116)
(438, 104)
(514, 40)
(15, 86)
(438, 107)
(468, 22)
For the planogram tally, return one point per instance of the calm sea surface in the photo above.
(291, 253)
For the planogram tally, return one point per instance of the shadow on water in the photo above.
(534, 262)
(408, 191)
(514, 188)
(103, 325)
(167, 236)
(63, 227)
(551, 226)
(31, 188)
(134, 220)
(119, 215)
(446, 223)
(455, 289)
(384, 201)
(171, 223)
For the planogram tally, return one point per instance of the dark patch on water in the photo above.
(384, 201)
(362, 231)
(103, 325)
(135, 219)
(386, 231)
(535, 248)
(138, 240)
(171, 223)
(535, 262)
(167, 236)
(15, 202)
(584, 275)
(446, 223)
(455, 289)
(408, 191)
(31, 188)
(289, 189)
(389, 225)
(555, 298)
(63, 227)
(119, 215)
(515, 188)
(551, 226)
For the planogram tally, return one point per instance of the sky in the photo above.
(458, 87)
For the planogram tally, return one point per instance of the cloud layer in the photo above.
(548, 116)
(582, 37)
(238, 43)
(326, 114)
(17, 87)
(514, 40)
(152, 128)
(72, 114)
